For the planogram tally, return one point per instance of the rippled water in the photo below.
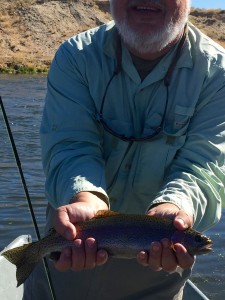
(23, 102)
(23, 97)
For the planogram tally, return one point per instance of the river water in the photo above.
(23, 97)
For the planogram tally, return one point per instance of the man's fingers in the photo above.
(162, 257)
(184, 259)
(64, 262)
(155, 255)
(62, 223)
(102, 257)
(153, 259)
(169, 261)
(142, 258)
(182, 220)
(83, 255)
(78, 256)
(91, 253)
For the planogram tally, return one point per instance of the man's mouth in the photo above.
(147, 9)
(146, 5)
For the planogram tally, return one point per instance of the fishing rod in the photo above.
(19, 166)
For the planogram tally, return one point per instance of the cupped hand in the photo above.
(161, 255)
(84, 254)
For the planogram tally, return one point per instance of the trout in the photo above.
(121, 235)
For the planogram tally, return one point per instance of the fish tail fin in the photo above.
(24, 262)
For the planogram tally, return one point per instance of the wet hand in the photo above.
(161, 255)
(84, 254)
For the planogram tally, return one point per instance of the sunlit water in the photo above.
(23, 98)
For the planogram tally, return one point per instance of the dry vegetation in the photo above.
(32, 30)
(211, 22)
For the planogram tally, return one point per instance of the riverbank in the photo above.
(32, 30)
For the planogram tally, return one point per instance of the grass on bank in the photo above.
(16, 68)
(23, 70)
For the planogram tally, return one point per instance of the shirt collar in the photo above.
(110, 48)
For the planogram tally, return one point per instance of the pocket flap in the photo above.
(177, 123)
(183, 110)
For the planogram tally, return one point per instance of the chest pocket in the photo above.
(176, 131)
(178, 123)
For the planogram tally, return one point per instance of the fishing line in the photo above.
(18, 163)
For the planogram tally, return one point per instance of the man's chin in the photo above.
(144, 43)
(148, 41)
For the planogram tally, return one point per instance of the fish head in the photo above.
(195, 242)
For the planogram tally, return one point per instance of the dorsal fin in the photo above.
(105, 214)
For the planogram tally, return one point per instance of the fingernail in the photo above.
(102, 254)
(155, 247)
(90, 243)
(78, 243)
(181, 221)
(142, 255)
(165, 243)
(180, 250)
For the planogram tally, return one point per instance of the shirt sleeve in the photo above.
(70, 134)
(196, 178)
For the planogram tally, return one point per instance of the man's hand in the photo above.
(161, 256)
(83, 255)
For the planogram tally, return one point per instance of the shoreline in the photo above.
(18, 66)
(20, 69)
(23, 70)
(31, 31)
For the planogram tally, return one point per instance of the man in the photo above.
(134, 121)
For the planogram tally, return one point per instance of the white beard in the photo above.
(154, 42)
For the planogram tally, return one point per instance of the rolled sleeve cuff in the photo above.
(81, 184)
(181, 202)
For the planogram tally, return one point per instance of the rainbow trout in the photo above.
(122, 235)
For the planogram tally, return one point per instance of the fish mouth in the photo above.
(206, 248)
